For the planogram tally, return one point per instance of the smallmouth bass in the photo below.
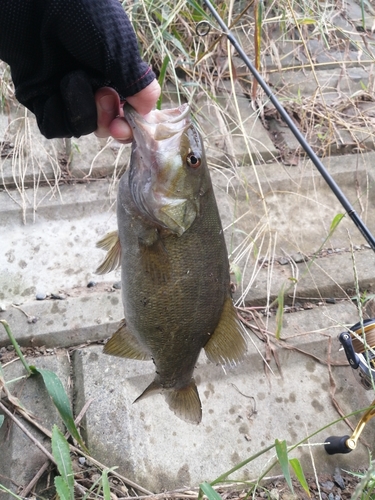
(174, 264)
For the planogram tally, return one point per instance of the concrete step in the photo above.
(244, 409)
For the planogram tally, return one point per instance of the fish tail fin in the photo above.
(111, 243)
(227, 344)
(185, 403)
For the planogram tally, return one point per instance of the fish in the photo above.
(175, 274)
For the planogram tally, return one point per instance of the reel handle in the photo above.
(337, 444)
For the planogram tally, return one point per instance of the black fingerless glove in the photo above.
(61, 51)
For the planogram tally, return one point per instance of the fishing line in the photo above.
(204, 28)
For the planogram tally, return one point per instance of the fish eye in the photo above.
(193, 160)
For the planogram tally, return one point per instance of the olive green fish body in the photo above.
(175, 271)
(174, 289)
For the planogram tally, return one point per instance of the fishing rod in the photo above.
(310, 152)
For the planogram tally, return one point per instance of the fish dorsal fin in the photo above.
(227, 344)
(185, 403)
(125, 345)
(111, 243)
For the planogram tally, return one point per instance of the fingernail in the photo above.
(107, 103)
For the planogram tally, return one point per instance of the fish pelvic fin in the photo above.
(111, 243)
(227, 344)
(125, 345)
(185, 403)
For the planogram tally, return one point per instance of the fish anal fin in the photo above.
(111, 243)
(185, 403)
(125, 345)
(227, 345)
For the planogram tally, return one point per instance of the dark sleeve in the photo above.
(61, 51)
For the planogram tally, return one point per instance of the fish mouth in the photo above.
(156, 167)
(158, 124)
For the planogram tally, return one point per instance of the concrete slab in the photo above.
(57, 251)
(20, 459)
(89, 316)
(260, 202)
(244, 410)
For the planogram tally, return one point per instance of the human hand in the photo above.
(61, 52)
(111, 121)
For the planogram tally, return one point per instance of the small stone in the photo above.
(274, 494)
(91, 284)
(328, 485)
(10, 348)
(337, 477)
(117, 285)
(2, 308)
(283, 261)
(40, 296)
(32, 319)
(298, 258)
(331, 300)
(58, 296)
(82, 460)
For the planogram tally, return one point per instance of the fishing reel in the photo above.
(359, 346)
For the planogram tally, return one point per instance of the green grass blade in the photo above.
(210, 493)
(105, 484)
(15, 345)
(197, 9)
(60, 399)
(161, 79)
(62, 489)
(61, 453)
(336, 221)
(296, 466)
(3, 488)
(1, 420)
(258, 16)
(282, 455)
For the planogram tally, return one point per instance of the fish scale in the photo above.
(175, 270)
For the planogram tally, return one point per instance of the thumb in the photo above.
(145, 100)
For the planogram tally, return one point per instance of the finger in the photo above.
(120, 130)
(145, 100)
(108, 106)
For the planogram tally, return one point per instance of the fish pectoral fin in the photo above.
(125, 345)
(227, 344)
(111, 243)
(185, 403)
(155, 261)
